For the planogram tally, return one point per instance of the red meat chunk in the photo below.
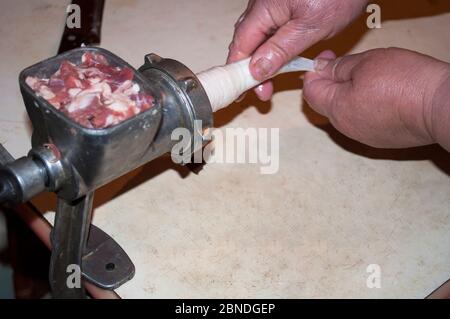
(93, 93)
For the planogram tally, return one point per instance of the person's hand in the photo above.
(274, 31)
(389, 98)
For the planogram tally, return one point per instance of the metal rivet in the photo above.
(188, 84)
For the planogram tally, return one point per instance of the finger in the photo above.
(288, 41)
(242, 16)
(327, 54)
(252, 30)
(321, 94)
(320, 88)
(314, 83)
(320, 62)
(337, 70)
(264, 91)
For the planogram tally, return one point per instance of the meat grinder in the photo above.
(73, 161)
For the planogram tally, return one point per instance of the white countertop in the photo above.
(308, 231)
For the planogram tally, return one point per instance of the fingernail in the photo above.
(259, 88)
(263, 68)
(259, 93)
(320, 64)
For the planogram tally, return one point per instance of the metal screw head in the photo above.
(188, 84)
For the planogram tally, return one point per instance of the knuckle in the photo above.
(280, 52)
(336, 68)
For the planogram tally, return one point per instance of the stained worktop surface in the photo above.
(312, 229)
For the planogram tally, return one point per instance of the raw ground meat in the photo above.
(93, 93)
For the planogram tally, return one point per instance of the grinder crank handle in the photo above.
(7, 189)
(224, 84)
(5, 156)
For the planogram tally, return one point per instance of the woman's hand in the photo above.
(274, 31)
(390, 98)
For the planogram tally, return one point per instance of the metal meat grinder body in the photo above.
(73, 161)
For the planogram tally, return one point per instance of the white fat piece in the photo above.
(224, 84)
(81, 101)
(31, 81)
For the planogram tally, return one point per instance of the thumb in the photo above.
(330, 82)
(279, 49)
